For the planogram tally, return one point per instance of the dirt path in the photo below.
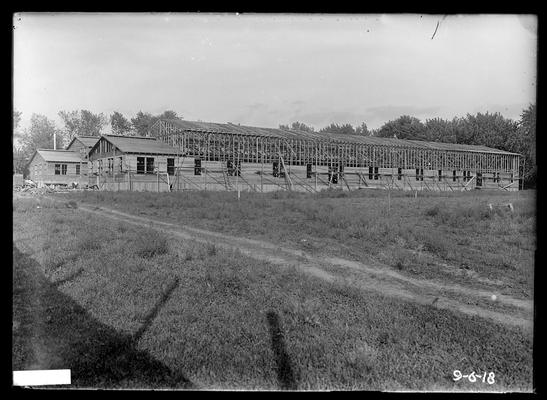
(377, 278)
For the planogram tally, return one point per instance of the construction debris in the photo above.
(31, 188)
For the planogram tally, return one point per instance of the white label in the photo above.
(41, 377)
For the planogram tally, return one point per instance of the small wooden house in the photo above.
(133, 163)
(57, 167)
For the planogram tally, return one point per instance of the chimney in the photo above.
(54, 140)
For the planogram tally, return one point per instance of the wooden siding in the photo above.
(43, 172)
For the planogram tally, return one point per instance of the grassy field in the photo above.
(448, 236)
(130, 307)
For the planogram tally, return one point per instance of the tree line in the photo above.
(487, 129)
(42, 130)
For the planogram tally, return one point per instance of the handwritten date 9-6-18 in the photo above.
(473, 377)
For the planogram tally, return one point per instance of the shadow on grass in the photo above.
(57, 333)
(69, 278)
(149, 318)
(285, 375)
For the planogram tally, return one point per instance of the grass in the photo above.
(193, 315)
(457, 229)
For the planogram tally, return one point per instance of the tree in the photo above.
(487, 129)
(19, 161)
(404, 127)
(338, 129)
(82, 123)
(362, 130)
(142, 122)
(72, 123)
(39, 135)
(169, 114)
(523, 141)
(440, 130)
(16, 119)
(298, 126)
(16, 122)
(92, 124)
(120, 125)
(18, 156)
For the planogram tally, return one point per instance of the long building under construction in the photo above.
(213, 156)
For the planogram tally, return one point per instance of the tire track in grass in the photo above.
(374, 278)
(378, 269)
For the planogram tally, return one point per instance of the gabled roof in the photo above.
(213, 127)
(87, 141)
(63, 156)
(139, 145)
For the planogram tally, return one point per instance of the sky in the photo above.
(271, 69)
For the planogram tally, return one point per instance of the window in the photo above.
(140, 165)
(376, 173)
(197, 166)
(275, 171)
(370, 173)
(77, 169)
(171, 166)
(399, 174)
(121, 164)
(57, 169)
(417, 174)
(149, 165)
(333, 175)
(440, 175)
(308, 171)
(63, 169)
(238, 168)
(479, 179)
(454, 176)
(421, 174)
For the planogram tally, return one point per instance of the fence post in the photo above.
(237, 184)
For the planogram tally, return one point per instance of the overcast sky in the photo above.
(265, 70)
